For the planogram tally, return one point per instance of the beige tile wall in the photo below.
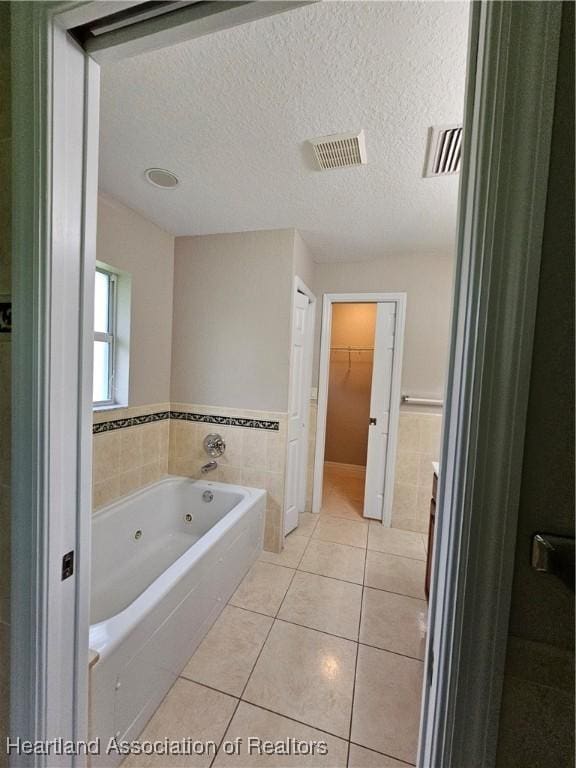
(313, 417)
(130, 458)
(254, 457)
(418, 446)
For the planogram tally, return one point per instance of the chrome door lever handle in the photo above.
(555, 555)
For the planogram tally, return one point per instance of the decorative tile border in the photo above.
(131, 421)
(228, 421)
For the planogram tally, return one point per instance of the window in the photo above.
(104, 337)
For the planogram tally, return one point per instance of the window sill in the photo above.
(113, 407)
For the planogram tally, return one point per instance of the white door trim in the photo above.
(357, 298)
(511, 79)
(300, 285)
(55, 143)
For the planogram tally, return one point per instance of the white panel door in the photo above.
(296, 415)
(378, 431)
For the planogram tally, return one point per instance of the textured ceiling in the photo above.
(230, 115)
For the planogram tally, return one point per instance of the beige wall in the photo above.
(537, 715)
(350, 384)
(131, 243)
(127, 459)
(5, 373)
(232, 306)
(304, 266)
(427, 280)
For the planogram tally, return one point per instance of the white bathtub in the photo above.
(164, 564)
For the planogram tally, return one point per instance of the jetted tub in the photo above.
(165, 561)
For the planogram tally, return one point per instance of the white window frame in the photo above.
(109, 337)
(512, 74)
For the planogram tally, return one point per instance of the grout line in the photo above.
(304, 552)
(395, 554)
(328, 515)
(395, 653)
(182, 676)
(225, 731)
(377, 752)
(390, 591)
(240, 698)
(330, 541)
(357, 655)
(334, 578)
(258, 706)
(250, 610)
(278, 565)
(326, 632)
(306, 548)
(400, 594)
(315, 629)
(357, 643)
(295, 720)
(284, 598)
(245, 684)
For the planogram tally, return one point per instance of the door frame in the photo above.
(513, 48)
(395, 392)
(300, 286)
(508, 111)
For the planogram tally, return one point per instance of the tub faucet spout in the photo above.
(211, 465)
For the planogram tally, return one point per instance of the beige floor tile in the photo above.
(226, 656)
(306, 524)
(340, 531)
(336, 560)
(294, 546)
(263, 588)
(344, 476)
(334, 506)
(395, 542)
(387, 703)
(360, 757)
(307, 675)
(188, 711)
(251, 722)
(329, 605)
(395, 574)
(343, 492)
(394, 622)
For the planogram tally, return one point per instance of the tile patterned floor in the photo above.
(323, 642)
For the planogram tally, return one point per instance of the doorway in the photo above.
(471, 282)
(358, 403)
(348, 407)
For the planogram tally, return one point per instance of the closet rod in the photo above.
(352, 349)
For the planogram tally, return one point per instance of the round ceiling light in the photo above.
(159, 177)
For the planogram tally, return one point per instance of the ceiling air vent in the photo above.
(444, 151)
(342, 150)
